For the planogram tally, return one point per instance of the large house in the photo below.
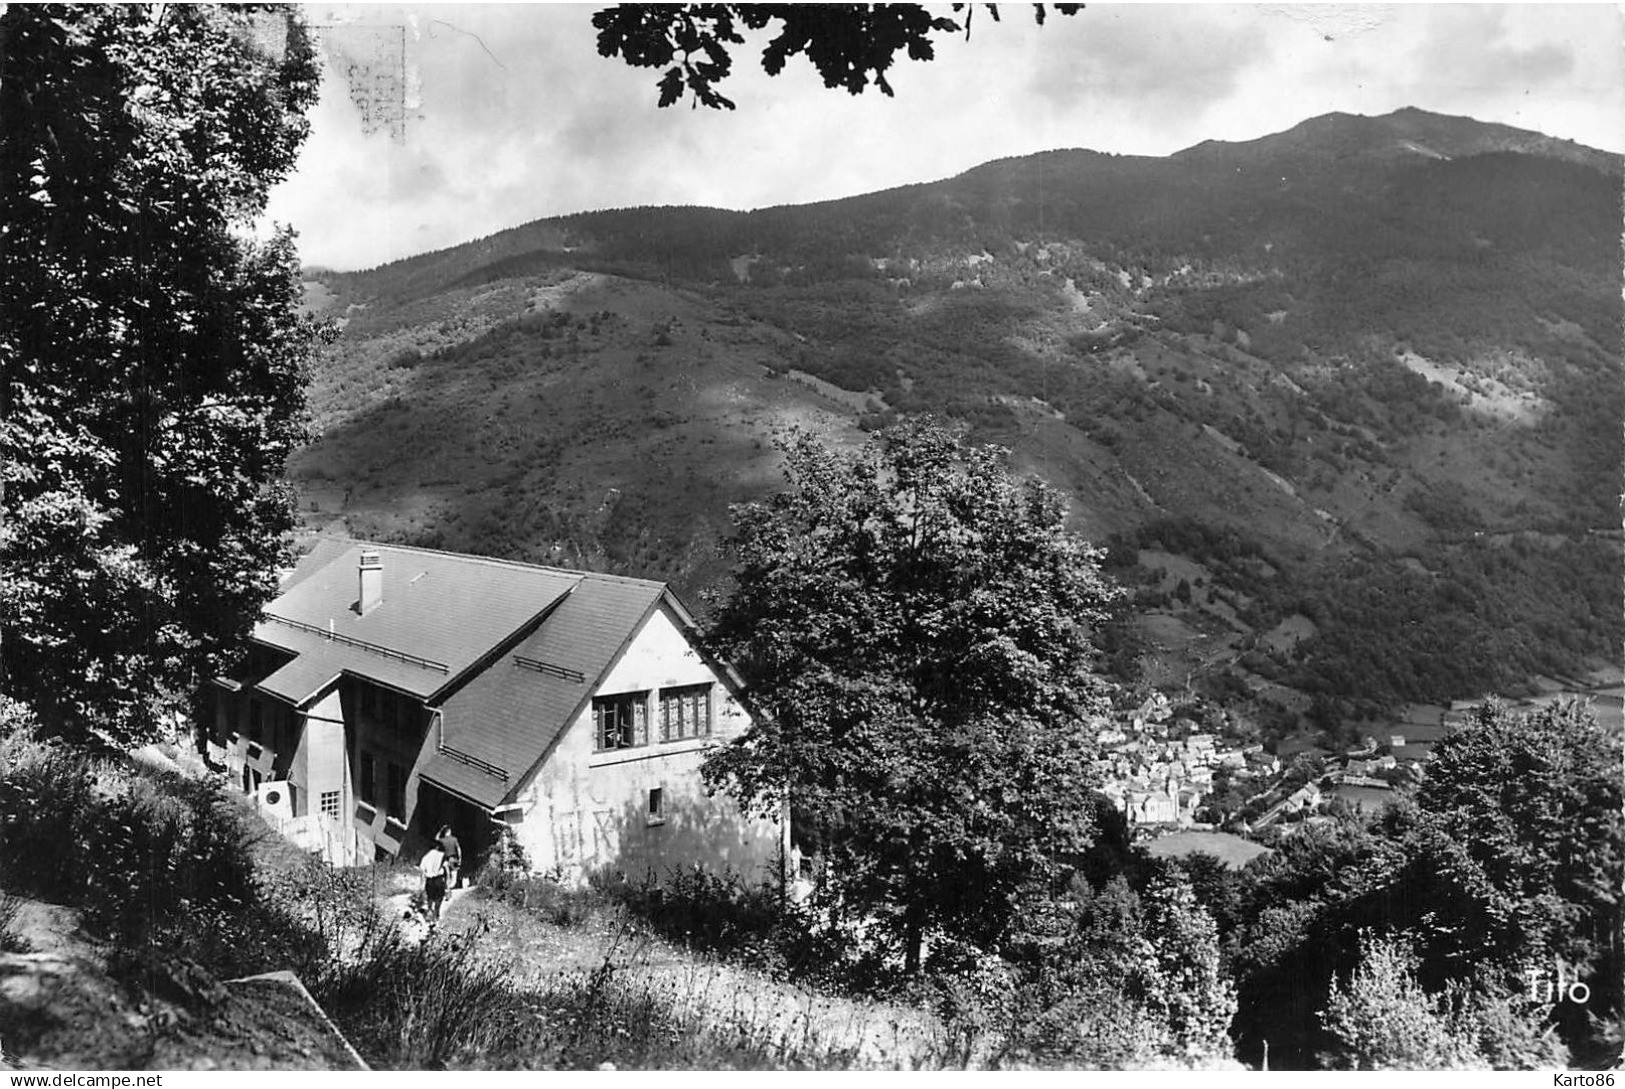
(389, 690)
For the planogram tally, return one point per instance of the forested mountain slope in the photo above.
(1362, 377)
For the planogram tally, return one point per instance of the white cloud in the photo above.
(520, 118)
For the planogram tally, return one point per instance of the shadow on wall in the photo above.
(709, 832)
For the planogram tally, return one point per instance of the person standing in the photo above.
(433, 869)
(453, 851)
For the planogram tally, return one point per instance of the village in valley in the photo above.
(1187, 787)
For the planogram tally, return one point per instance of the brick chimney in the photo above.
(371, 573)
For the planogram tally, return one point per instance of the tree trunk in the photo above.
(913, 938)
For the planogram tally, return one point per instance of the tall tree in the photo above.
(1517, 850)
(154, 358)
(1501, 878)
(1191, 993)
(914, 624)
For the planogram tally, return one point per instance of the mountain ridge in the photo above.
(1344, 371)
(1489, 137)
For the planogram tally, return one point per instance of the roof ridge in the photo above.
(500, 562)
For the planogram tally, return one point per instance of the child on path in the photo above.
(433, 869)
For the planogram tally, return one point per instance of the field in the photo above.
(1365, 799)
(1233, 851)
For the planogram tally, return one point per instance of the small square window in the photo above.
(330, 804)
(657, 806)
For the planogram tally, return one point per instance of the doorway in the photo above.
(470, 823)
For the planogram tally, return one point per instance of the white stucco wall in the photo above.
(319, 761)
(587, 810)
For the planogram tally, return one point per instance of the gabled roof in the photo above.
(508, 653)
(509, 715)
(439, 615)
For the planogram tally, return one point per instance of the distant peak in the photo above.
(1404, 131)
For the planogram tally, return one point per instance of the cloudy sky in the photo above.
(440, 124)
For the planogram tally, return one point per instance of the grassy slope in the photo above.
(615, 443)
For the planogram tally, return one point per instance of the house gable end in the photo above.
(725, 673)
(646, 676)
(593, 688)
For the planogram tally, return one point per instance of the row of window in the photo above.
(622, 721)
(387, 709)
(275, 724)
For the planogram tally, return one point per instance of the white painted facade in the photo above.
(587, 809)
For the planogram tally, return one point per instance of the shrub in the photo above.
(973, 993)
(156, 862)
(10, 940)
(753, 925)
(423, 1006)
(1383, 1020)
(550, 899)
(505, 869)
(162, 847)
(336, 909)
(718, 912)
(562, 905)
(46, 800)
(1117, 978)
